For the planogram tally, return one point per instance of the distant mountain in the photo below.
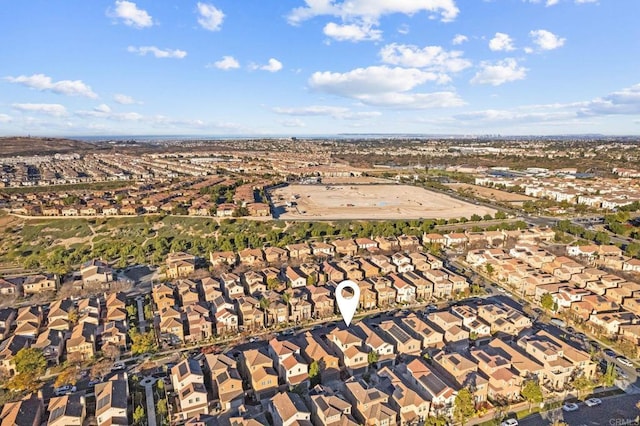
(11, 146)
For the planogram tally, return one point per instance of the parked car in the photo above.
(432, 307)
(609, 352)
(558, 322)
(570, 406)
(253, 339)
(592, 402)
(118, 366)
(94, 382)
(509, 422)
(63, 390)
(622, 360)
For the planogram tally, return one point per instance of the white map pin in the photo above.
(348, 306)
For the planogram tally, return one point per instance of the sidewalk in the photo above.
(524, 406)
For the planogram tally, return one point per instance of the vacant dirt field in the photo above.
(490, 193)
(356, 180)
(321, 202)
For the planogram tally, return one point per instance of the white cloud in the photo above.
(371, 11)
(273, 65)
(546, 40)
(226, 63)
(296, 122)
(384, 86)
(459, 39)
(585, 1)
(352, 32)
(210, 18)
(130, 14)
(331, 111)
(430, 57)
(158, 53)
(499, 72)
(501, 42)
(625, 101)
(547, 3)
(404, 29)
(104, 108)
(55, 110)
(124, 99)
(4, 118)
(45, 83)
(104, 112)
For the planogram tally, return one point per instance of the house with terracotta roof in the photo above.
(180, 264)
(376, 342)
(7, 319)
(257, 367)
(34, 284)
(405, 292)
(463, 372)
(276, 254)
(320, 249)
(299, 251)
(427, 334)
(402, 341)
(111, 401)
(51, 342)
(371, 404)
(313, 349)
(251, 256)
(28, 411)
(411, 403)
(226, 382)
(9, 348)
(67, 410)
(331, 409)
(441, 395)
(82, 343)
(288, 409)
(219, 258)
(345, 247)
(350, 349)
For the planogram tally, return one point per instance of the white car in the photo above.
(622, 360)
(592, 402)
(509, 422)
(501, 290)
(63, 390)
(570, 406)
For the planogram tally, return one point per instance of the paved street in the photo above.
(613, 412)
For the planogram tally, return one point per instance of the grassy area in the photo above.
(97, 186)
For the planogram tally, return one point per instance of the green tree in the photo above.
(583, 384)
(68, 376)
(311, 280)
(286, 297)
(373, 357)
(138, 415)
(436, 421)
(264, 303)
(132, 311)
(142, 342)
(532, 392)
(30, 361)
(161, 407)
(610, 375)
(148, 312)
(464, 406)
(314, 372)
(490, 269)
(500, 215)
(272, 283)
(546, 301)
(160, 385)
(476, 218)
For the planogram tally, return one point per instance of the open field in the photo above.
(355, 180)
(321, 202)
(491, 193)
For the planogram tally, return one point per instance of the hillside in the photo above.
(10, 146)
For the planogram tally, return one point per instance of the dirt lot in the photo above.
(356, 180)
(490, 193)
(321, 202)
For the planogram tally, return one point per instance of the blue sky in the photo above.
(304, 67)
